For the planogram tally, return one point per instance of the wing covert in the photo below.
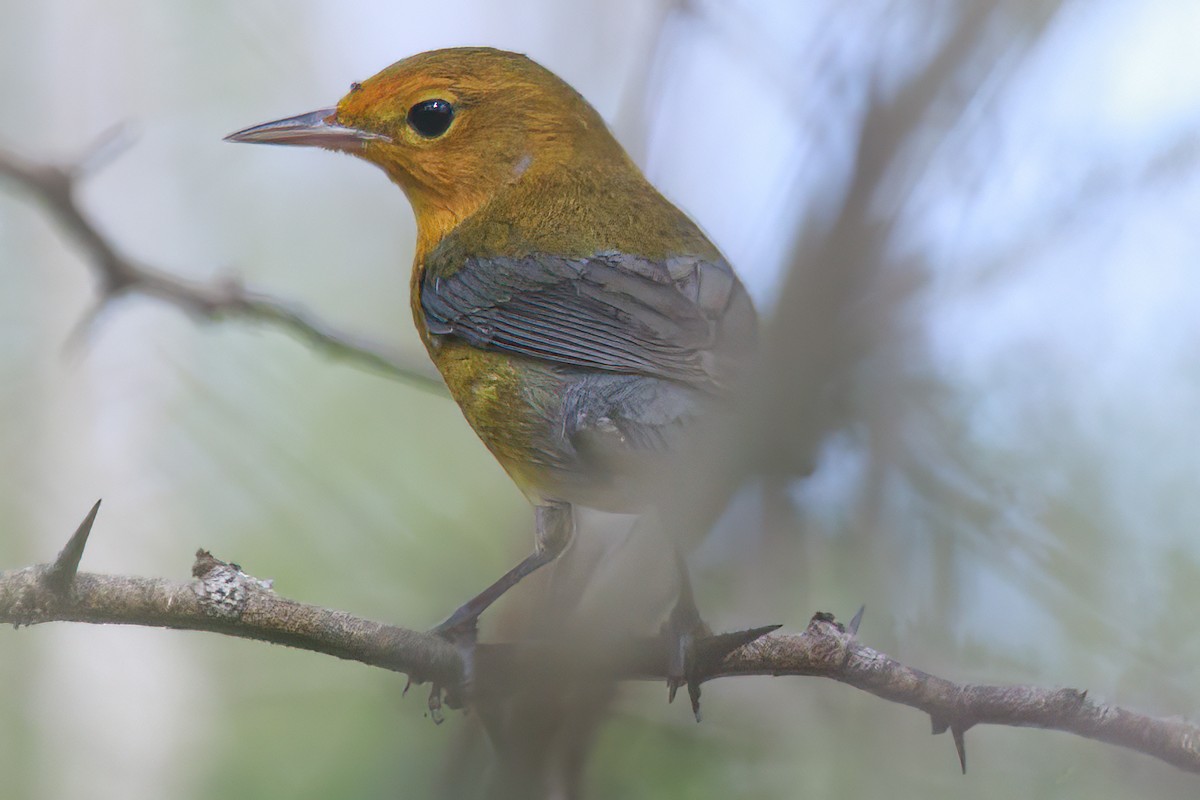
(679, 319)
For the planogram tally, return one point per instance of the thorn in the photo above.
(694, 695)
(856, 621)
(704, 654)
(960, 744)
(66, 565)
(407, 686)
(711, 649)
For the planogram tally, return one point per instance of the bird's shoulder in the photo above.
(621, 281)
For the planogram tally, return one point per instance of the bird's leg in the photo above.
(680, 631)
(692, 648)
(689, 641)
(554, 529)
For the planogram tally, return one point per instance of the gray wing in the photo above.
(683, 319)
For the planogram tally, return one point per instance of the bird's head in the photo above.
(453, 127)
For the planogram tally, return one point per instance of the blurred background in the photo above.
(972, 228)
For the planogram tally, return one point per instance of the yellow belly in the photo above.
(498, 395)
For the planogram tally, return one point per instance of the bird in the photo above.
(591, 333)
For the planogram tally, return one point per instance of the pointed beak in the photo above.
(315, 129)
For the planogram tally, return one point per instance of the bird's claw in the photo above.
(463, 634)
(699, 650)
(681, 632)
(435, 705)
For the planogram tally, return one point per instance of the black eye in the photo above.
(431, 118)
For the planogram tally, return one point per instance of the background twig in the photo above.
(55, 187)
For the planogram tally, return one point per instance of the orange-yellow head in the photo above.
(453, 127)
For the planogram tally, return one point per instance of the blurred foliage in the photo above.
(982, 301)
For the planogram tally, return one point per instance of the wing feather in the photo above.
(681, 319)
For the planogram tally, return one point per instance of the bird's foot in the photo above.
(680, 633)
(693, 649)
(461, 630)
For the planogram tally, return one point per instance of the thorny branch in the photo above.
(118, 274)
(224, 599)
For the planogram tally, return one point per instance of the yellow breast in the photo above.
(503, 397)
